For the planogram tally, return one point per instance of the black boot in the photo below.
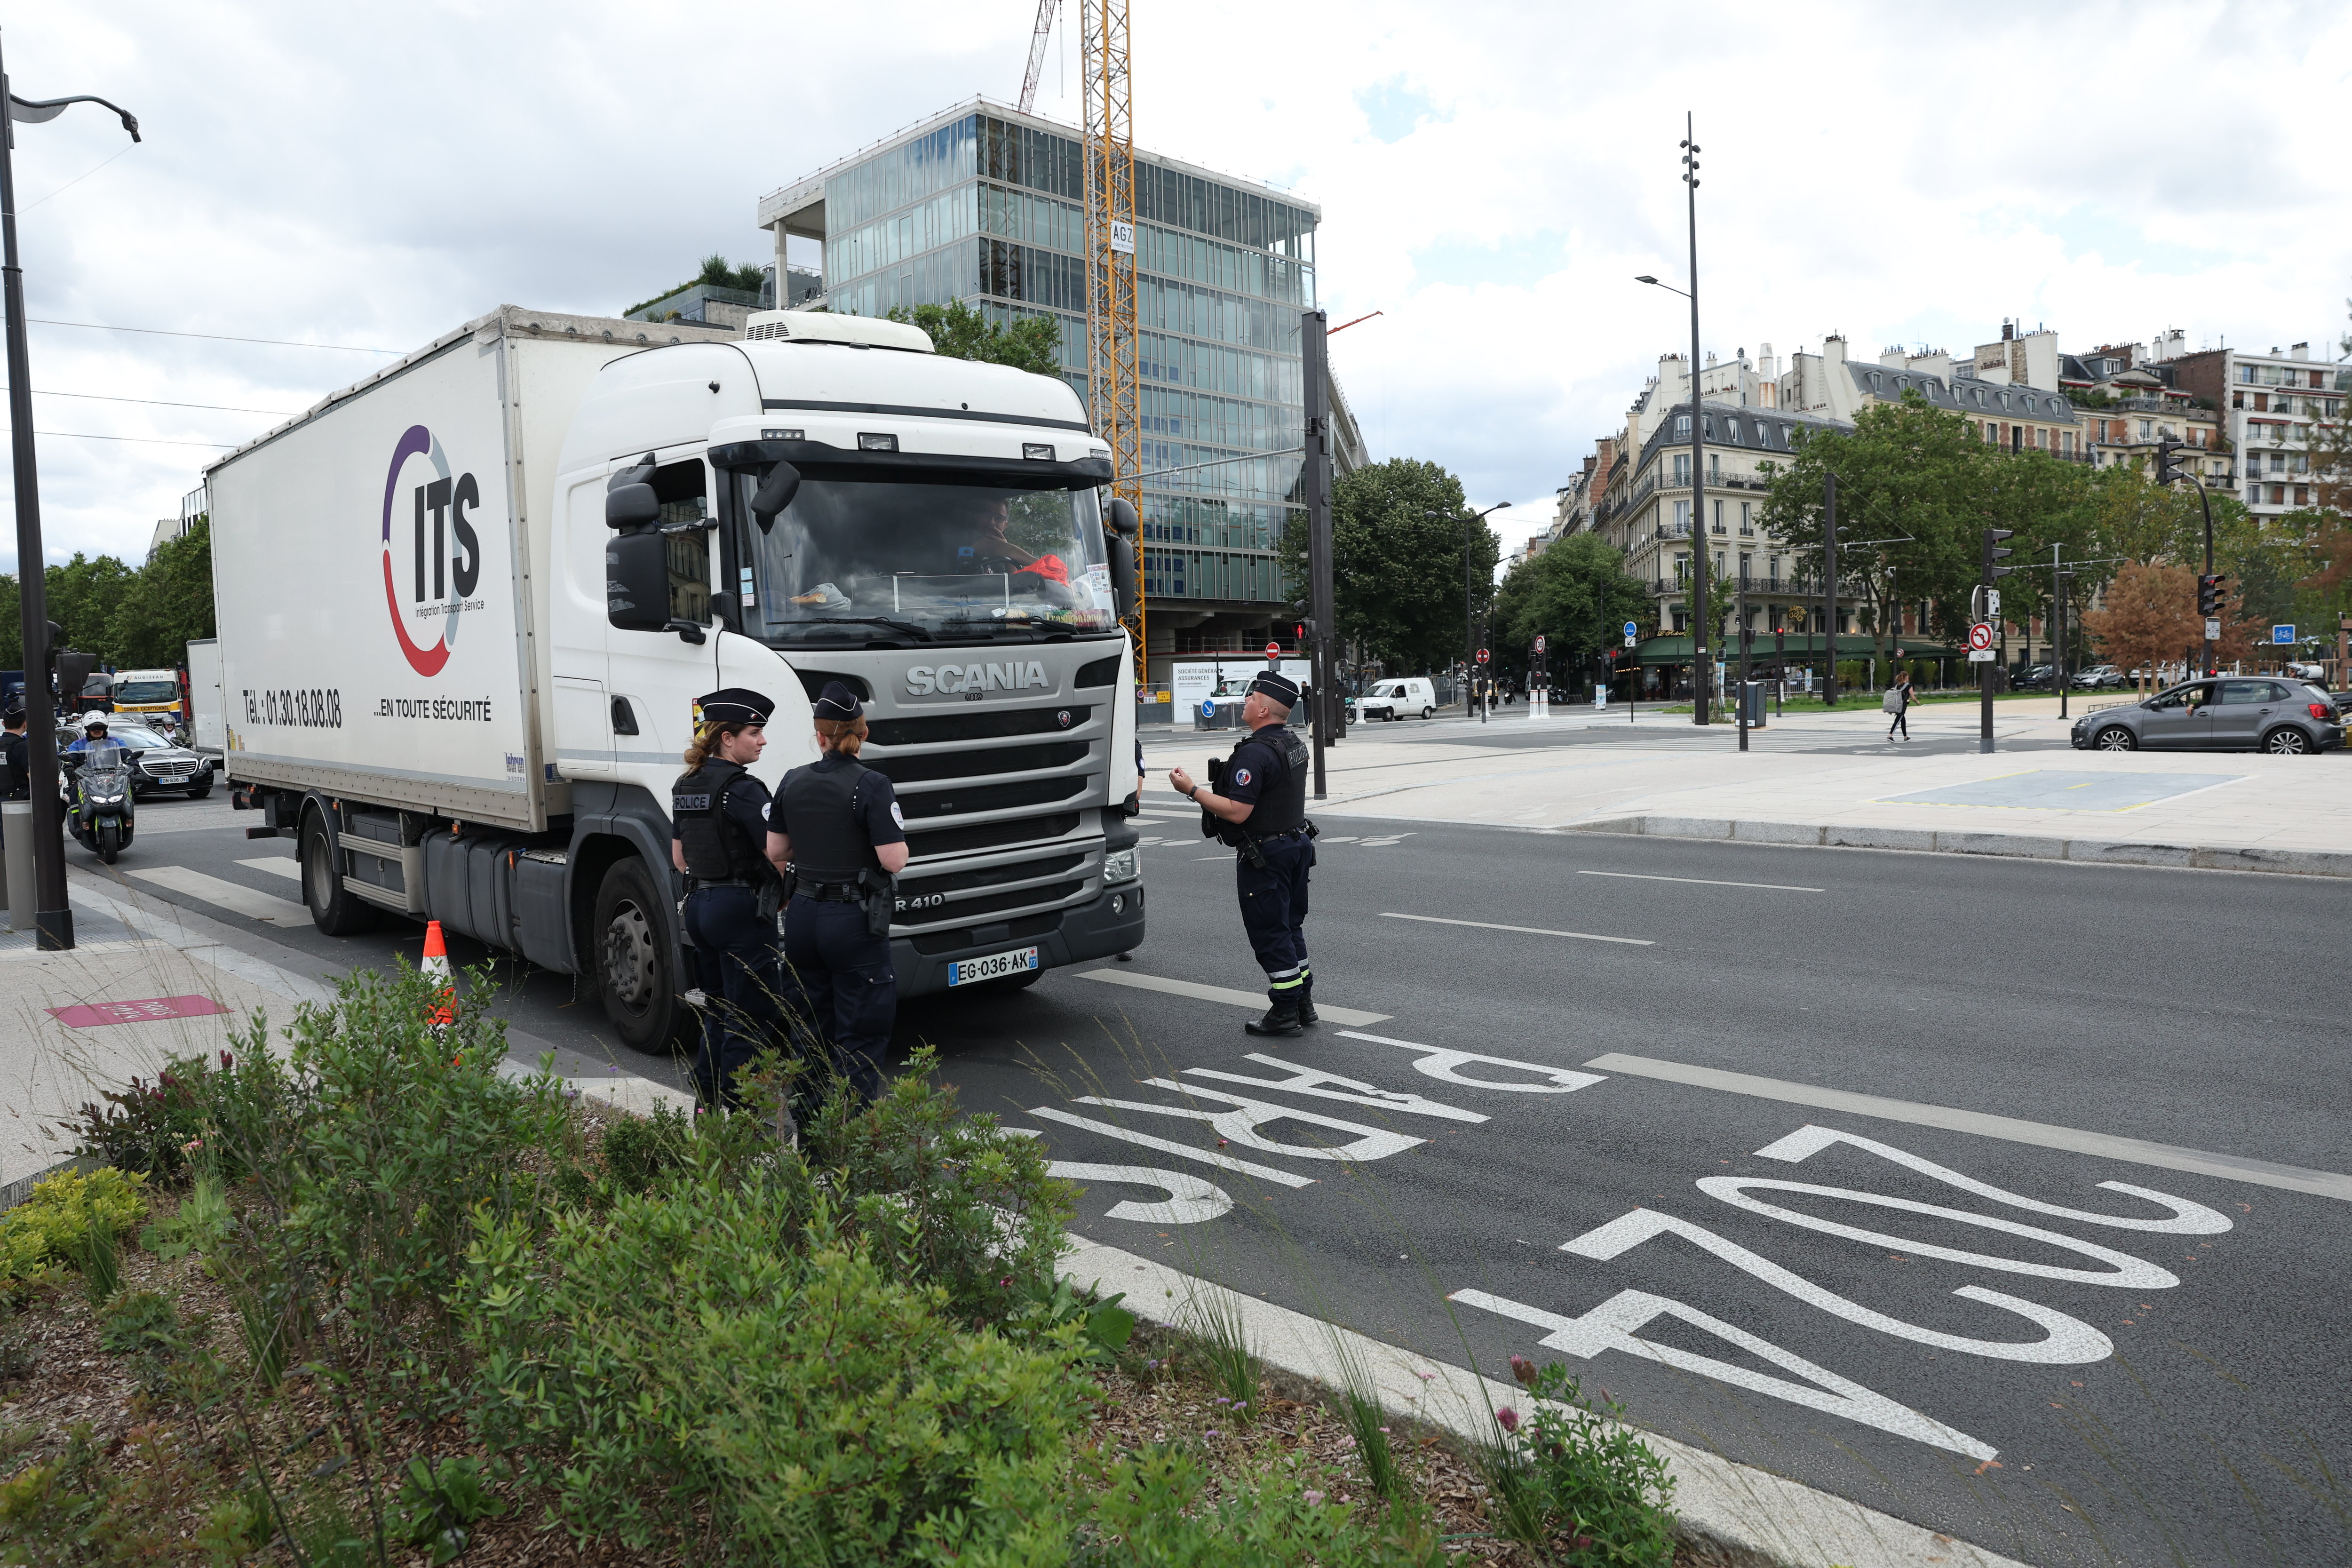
(1281, 1019)
(1307, 1014)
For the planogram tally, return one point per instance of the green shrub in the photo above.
(1571, 1473)
(147, 1127)
(141, 1322)
(1148, 1514)
(55, 1225)
(439, 1505)
(639, 1150)
(940, 1197)
(777, 1397)
(201, 1222)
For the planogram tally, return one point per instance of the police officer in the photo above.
(718, 828)
(13, 745)
(1262, 800)
(837, 823)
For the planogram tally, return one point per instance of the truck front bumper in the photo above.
(1112, 922)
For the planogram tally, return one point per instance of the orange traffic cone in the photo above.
(436, 966)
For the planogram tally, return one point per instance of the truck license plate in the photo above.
(996, 966)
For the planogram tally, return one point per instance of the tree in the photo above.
(1032, 344)
(2147, 615)
(169, 605)
(717, 273)
(1399, 531)
(1576, 595)
(1908, 475)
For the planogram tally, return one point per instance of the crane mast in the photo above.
(1112, 393)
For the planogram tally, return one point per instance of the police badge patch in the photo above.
(1241, 775)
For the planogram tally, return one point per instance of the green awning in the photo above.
(1675, 649)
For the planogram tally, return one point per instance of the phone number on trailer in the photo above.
(315, 708)
(463, 710)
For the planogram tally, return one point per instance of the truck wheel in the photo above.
(633, 962)
(335, 909)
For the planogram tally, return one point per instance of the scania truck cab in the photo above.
(825, 499)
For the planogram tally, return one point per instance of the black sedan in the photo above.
(158, 763)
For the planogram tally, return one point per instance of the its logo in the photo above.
(444, 556)
(972, 679)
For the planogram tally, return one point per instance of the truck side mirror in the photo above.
(1120, 527)
(774, 494)
(636, 582)
(631, 506)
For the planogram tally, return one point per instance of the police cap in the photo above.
(837, 701)
(1277, 686)
(733, 705)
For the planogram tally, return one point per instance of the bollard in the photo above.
(16, 854)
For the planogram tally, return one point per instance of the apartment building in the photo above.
(2268, 405)
(2023, 410)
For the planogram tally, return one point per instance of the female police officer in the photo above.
(836, 821)
(718, 828)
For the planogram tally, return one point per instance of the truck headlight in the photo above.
(1121, 866)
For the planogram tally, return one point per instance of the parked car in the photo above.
(2230, 714)
(2038, 678)
(1392, 698)
(2101, 678)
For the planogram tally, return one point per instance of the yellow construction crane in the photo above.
(1111, 370)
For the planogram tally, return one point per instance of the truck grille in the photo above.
(986, 724)
(990, 835)
(964, 801)
(970, 764)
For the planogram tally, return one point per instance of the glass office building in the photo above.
(986, 205)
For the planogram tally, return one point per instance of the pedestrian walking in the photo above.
(718, 836)
(1258, 806)
(838, 822)
(1897, 701)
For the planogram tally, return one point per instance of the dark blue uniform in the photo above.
(1267, 773)
(837, 972)
(718, 818)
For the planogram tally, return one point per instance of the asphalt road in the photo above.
(2034, 1340)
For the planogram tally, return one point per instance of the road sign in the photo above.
(2281, 634)
(1273, 650)
(1992, 601)
(1539, 641)
(1980, 655)
(1980, 637)
(1631, 639)
(1631, 629)
(2212, 631)
(1482, 656)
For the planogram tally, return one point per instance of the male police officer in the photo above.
(1260, 799)
(12, 754)
(838, 823)
(719, 833)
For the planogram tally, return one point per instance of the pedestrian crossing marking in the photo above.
(230, 896)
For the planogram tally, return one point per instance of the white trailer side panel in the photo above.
(204, 695)
(368, 577)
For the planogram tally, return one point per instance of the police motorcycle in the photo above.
(99, 808)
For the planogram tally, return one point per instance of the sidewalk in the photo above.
(2235, 811)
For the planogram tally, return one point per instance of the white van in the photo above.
(1392, 698)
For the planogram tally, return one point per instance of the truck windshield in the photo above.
(148, 692)
(857, 560)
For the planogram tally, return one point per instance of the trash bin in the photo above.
(1756, 707)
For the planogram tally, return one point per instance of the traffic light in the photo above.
(1993, 552)
(2167, 467)
(2209, 595)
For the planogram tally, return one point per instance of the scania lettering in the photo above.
(465, 606)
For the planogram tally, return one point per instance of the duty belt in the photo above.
(696, 884)
(827, 893)
(1277, 837)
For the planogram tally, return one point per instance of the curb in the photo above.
(2017, 846)
(1756, 1515)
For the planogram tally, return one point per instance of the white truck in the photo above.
(204, 715)
(466, 607)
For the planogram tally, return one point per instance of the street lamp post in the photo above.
(52, 913)
(1702, 673)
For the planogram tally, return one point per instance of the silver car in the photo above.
(2227, 713)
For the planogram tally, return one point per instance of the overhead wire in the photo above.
(210, 337)
(159, 402)
(141, 440)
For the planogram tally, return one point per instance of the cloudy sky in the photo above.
(1492, 176)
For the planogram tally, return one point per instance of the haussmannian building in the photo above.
(985, 204)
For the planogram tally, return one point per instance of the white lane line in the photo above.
(229, 896)
(1182, 1151)
(1531, 930)
(277, 865)
(1705, 881)
(2138, 1151)
(1254, 1000)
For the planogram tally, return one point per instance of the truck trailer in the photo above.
(466, 605)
